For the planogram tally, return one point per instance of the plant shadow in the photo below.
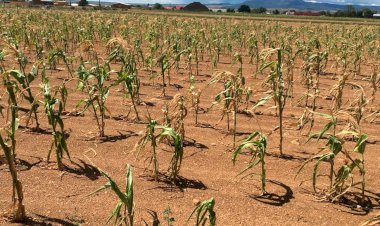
(275, 199)
(193, 143)
(36, 130)
(121, 136)
(356, 206)
(83, 169)
(165, 183)
(49, 221)
(24, 165)
(288, 157)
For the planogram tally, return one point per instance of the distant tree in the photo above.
(339, 13)
(157, 6)
(83, 3)
(350, 11)
(230, 10)
(259, 10)
(244, 9)
(367, 13)
(276, 11)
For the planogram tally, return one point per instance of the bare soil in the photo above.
(55, 197)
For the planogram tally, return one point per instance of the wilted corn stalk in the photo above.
(253, 51)
(128, 73)
(346, 172)
(256, 144)
(231, 96)
(314, 68)
(360, 148)
(151, 137)
(172, 136)
(2, 58)
(357, 106)
(335, 147)
(374, 82)
(24, 86)
(275, 83)
(12, 101)
(19, 214)
(179, 113)
(124, 209)
(238, 58)
(54, 117)
(334, 144)
(163, 61)
(132, 83)
(338, 186)
(337, 92)
(54, 56)
(203, 208)
(97, 91)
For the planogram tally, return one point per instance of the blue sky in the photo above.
(359, 2)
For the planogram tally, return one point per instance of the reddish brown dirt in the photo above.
(60, 198)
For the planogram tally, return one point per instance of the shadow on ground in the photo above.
(275, 199)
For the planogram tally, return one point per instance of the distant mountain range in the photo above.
(313, 5)
(301, 5)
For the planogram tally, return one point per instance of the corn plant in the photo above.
(256, 143)
(94, 83)
(231, 96)
(19, 214)
(24, 86)
(132, 85)
(374, 82)
(313, 69)
(360, 148)
(12, 100)
(171, 135)
(123, 212)
(164, 64)
(55, 120)
(179, 114)
(203, 208)
(253, 51)
(54, 56)
(127, 76)
(334, 145)
(2, 58)
(276, 85)
(151, 137)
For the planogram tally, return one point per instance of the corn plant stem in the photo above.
(95, 112)
(263, 174)
(363, 177)
(235, 119)
(20, 214)
(155, 166)
(331, 176)
(163, 79)
(280, 96)
(134, 107)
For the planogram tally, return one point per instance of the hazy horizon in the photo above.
(355, 2)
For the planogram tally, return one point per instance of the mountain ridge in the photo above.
(302, 5)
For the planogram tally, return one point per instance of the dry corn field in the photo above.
(131, 118)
